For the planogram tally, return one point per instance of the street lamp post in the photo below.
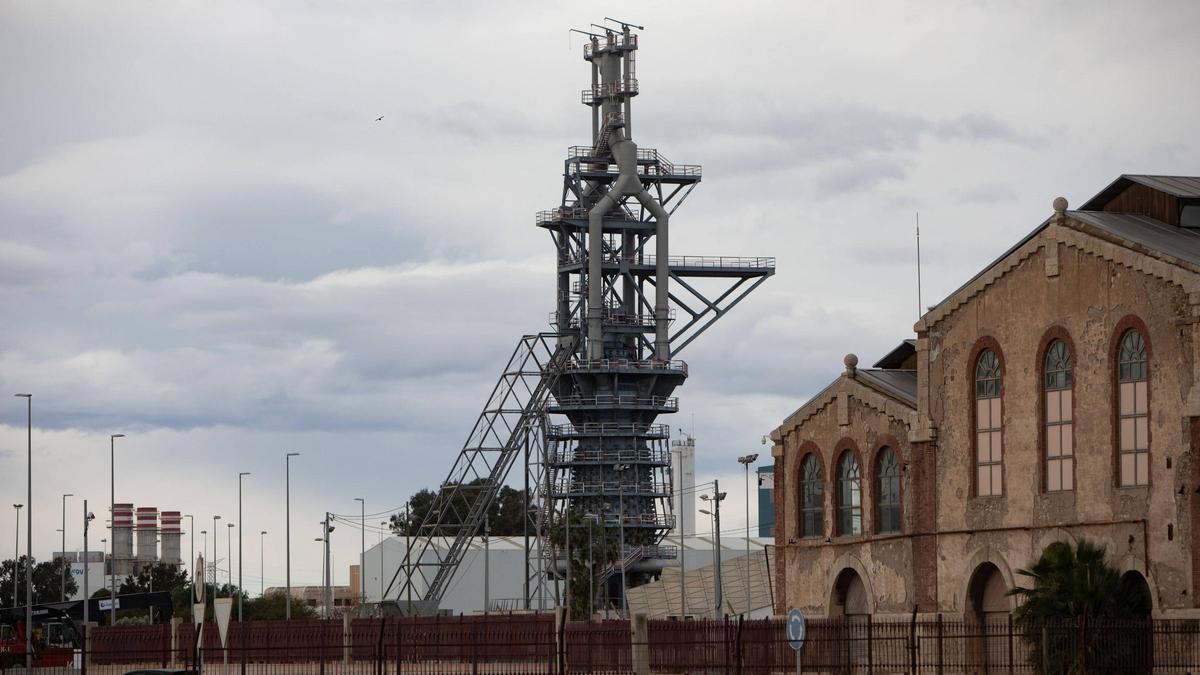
(17, 556)
(287, 535)
(681, 523)
(28, 532)
(620, 468)
(112, 515)
(382, 528)
(192, 552)
(362, 556)
(262, 565)
(62, 597)
(716, 498)
(487, 568)
(328, 571)
(229, 547)
(239, 524)
(214, 563)
(746, 461)
(87, 520)
(321, 540)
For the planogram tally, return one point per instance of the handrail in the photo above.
(665, 402)
(595, 456)
(631, 488)
(608, 429)
(614, 318)
(618, 40)
(606, 364)
(762, 262)
(628, 85)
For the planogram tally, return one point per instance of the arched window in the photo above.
(1133, 410)
(989, 478)
(887, 491)
(1060, 444)
(849, 495)
(812, 496)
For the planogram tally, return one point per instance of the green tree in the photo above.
(591, 555)
(1070, 585)
(273, 606)
(506, 515)
(156, 577)
(47, 582)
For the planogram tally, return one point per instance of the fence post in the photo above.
(1011, 665)
(166, 642)
(560, 646)
(870, 646)
(324, 643)
(739, 647)
(242, 641)
(640, 631)
(939, 646)
(346, 638)
(399, 642)
(1045, 649)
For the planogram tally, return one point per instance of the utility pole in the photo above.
(716, 498)
(328, 575)
(214, 562)
(487, 565)
(362, 556)
(262, 565)
(112, 524)
(17, 557)
(28, 535)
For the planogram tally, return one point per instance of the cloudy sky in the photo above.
(209, 244)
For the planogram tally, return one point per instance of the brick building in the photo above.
(1050, 398)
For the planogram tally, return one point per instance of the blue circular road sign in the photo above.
(795, 628)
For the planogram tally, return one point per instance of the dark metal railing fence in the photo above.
(531, 643)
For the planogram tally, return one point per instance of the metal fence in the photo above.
(533, 643)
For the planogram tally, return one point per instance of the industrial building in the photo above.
(1053, 397)
(159, 539)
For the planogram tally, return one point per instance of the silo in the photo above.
(122, 539)
(147, 536)
(172, 534)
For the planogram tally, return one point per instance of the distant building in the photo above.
(314, 596)
(766, 501)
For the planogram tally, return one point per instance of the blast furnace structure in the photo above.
(625, 307)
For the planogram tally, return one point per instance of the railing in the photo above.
(617, 40)
(620, 364)
(628, 85)
(608, 456)
(608, 429)
(568, 487)
(662, 403)
(707, 262)
(650, 162)
(613, 318)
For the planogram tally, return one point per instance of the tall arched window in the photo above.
(849, 495)
(1133, 410)
(887, 491)
(812, 496)
(1060, 443)
(989, 476)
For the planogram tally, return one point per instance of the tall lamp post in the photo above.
(229, 547)
(192, 533)
(716, 498)
(620, 469)
(287, 535)
(262, 565)
(215, 538)
(87, 521)
(746, 461)
(362, 556)
(112, 515)
(239, 524)
(382, 528)
(17, 556)
(328, 572)
(63, 594)
(28, 531)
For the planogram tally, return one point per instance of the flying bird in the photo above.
(379, 119)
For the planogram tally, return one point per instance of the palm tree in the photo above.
(1074, 587)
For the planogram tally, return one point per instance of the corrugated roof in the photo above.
(1184, 187)
(901, 384)
(1177, 242)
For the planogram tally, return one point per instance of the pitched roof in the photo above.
(896, 357)
(1177, 242)
(900, 384)
(1184, 187)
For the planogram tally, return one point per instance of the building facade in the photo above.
(1050, 398)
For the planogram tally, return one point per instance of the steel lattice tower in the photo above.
(617, 313)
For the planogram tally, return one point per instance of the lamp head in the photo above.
(293, 454)
(23, 395)
(90, 516)
(263, 532)
(69, 494)
(244, 473)
(117, 436)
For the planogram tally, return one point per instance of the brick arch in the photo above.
(847, 445)
(1055, 332)
(869, 472)
(1127, 322)
(848, 562)
(982, 556)
(985, 342)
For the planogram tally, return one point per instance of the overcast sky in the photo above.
(209, 244)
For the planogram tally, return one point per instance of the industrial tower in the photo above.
(624, 309)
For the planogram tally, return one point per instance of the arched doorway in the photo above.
(1138, 647)
(851, 603)
(1133, 582)
(988, 607)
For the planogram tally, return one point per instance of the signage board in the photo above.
(796, 628)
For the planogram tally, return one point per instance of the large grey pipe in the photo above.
(624, 152)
